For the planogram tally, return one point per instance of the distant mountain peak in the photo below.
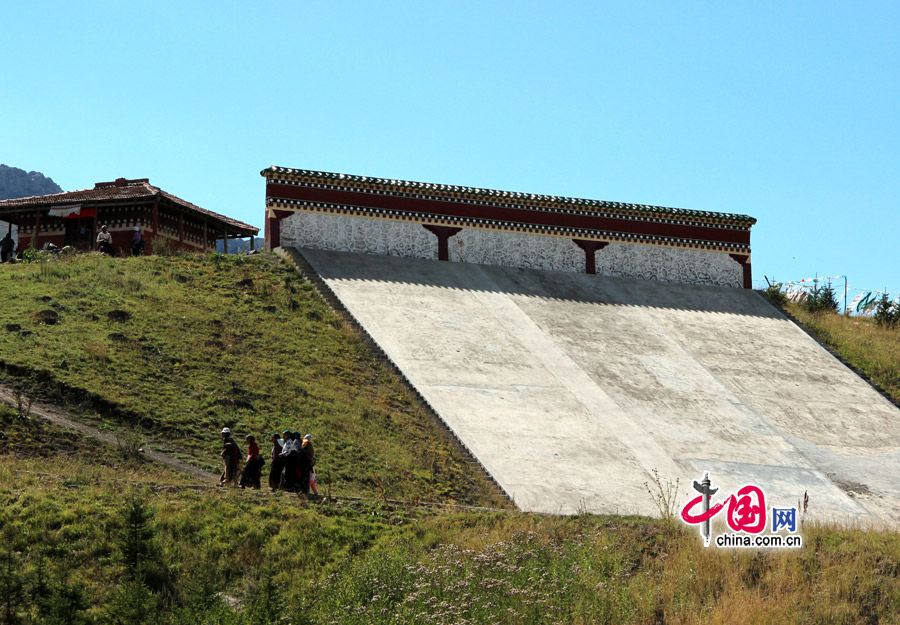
(15, 183)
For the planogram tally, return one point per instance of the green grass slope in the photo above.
(179, 347)
(230, 557)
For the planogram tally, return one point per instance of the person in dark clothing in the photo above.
(277, 463)
(313, 480)
(137, 242)
(7, 247)
(231, 457)
(289, 462)
(253, 468)
(305, 463)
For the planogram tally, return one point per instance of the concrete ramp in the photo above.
(569, 388)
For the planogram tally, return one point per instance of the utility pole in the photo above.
(846, 312)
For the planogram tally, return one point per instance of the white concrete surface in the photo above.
(569, 387)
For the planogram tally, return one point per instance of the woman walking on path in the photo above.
(310, 461)
(253, 468)
(275, 469)
(231, 456)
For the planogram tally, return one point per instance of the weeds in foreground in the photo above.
(221, 557)
(130, 446)
(23, 404)
(664, 494)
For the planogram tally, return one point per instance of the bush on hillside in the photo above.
(822, 300)
(887, 313)
(776, 295)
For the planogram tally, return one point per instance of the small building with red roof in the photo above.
(74, 218)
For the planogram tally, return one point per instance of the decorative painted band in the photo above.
(583, 221)
(475, 195)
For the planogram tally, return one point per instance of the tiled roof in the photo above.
(444, 191)
(117, 191)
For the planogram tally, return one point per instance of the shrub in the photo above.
(776, 295)
(822, 300)
(33, 254)
(887, 313)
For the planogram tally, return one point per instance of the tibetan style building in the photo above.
(74, 218)
(463, 224)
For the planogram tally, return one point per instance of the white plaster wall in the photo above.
(667, 264)
(361, 235)
(511, 249)
(357, 234)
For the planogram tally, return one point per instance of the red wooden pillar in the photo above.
(273, 232)
(273, 228)
(96, 228)
(590, 249)
(155, 224)
(443, 234)
(744, 261)
(37, 231)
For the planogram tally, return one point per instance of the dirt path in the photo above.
(62, 418)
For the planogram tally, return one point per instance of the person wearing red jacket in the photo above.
(253, 466)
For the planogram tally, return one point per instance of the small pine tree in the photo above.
(132, 603)
(887, 313)
(12, 585)
(137, 537)
(63, 604)
(776, 295)
(264, 605)
(822, 300)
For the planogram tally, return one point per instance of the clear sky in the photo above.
(787, 111)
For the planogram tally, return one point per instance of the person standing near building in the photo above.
(104, 241)
(137, 242)
(7, 247)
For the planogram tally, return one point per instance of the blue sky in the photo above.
(789, 112)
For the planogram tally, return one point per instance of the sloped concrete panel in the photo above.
(569, 388)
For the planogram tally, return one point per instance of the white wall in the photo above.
(343, 233)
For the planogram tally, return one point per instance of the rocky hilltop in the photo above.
(15, 182)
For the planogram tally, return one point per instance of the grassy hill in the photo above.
(176, 348)
(228, 557)
(89, 534)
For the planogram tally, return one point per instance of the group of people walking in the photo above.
(293, 463)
